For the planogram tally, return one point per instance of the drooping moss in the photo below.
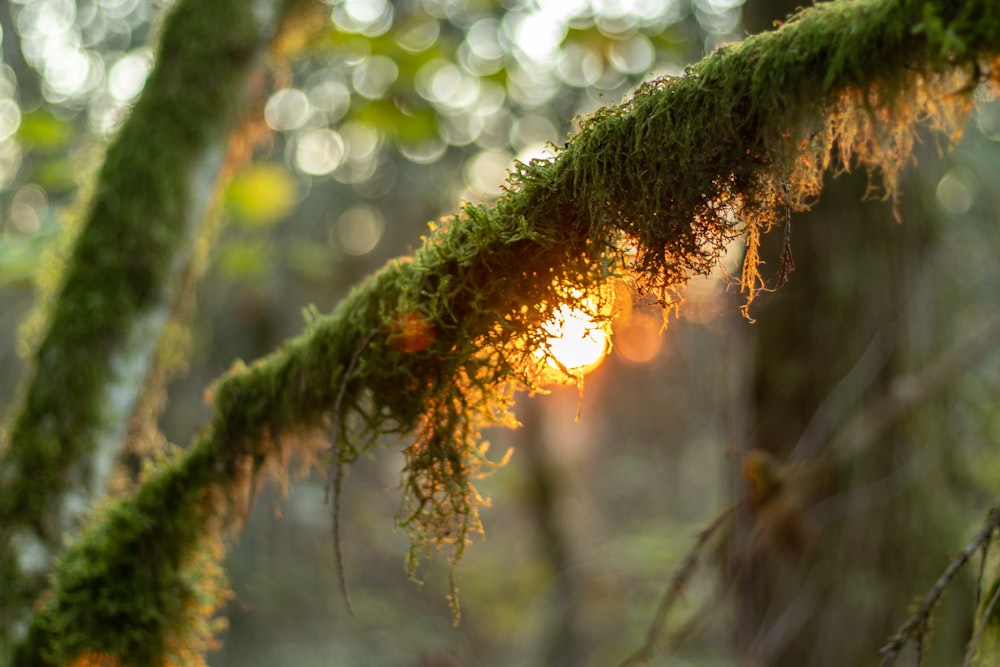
(649, 191)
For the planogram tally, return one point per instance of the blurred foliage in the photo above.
(20, 255)
(261, 195)
(241, 259)
(374, 69)
(41, 131)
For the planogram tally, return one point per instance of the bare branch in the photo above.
(676, 588)
(915, 626)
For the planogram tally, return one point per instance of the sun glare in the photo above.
(575, 341)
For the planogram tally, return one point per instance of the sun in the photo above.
(575, 341)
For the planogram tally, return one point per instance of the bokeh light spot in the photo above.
(427, 151)
(358, 230)
(128, 75)
(319, 151)
(532, 129)
(419, 36)
(367, 17)
(374, 76)
(483, 50)
(460, 129)
(531, 87)
(953, 192)
(536, 35)
(633, 55)
(28, 208)
(10, 118)
(988, 118)
(362, 140)
(287, 109)
(639, 339)
(579, 65)
(261, 194)
(331, 97)
(486, 172)
(69, 72)
(445, 85)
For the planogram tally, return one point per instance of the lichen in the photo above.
(433, 346)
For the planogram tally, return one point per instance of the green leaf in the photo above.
(43, 132)
(57, 174)
(261, 195)
(406, 126)
(244, 259)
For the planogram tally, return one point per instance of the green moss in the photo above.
(134, 230)
(137, 584)
(650, 192)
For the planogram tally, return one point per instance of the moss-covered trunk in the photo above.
(132, 262)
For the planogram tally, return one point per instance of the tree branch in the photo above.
(916, 626)
(676, 588)
(134, 254)
(651, 191)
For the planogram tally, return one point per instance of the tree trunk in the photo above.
(825, 569)
(135, 258)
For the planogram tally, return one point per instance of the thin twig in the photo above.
(335, 472)
(684, 633)
(983, 620)
(982, 571)
(676, 587)
(836, 404)
(337, 544)
(909, 391)
(919, 621)
(786, 263)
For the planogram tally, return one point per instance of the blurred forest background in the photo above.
(860, 369)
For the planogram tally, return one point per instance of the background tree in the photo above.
(864, 308)
(315, 150)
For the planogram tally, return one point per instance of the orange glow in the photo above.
(95, 660)
(577, 336)
(411, 333)
(576, 342)
(638, 339)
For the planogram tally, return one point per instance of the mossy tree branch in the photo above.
(134, 257)
(650, 191)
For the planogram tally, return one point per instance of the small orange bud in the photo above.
(763, 475)
(780, 497)
(411, 333)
